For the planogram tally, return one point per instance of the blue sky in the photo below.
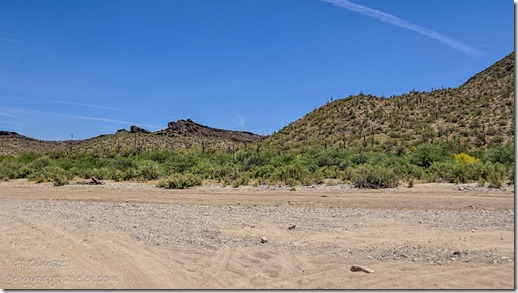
(91, 67)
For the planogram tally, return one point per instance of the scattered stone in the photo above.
(93, 181)
(357, 268)
(264, 240)
(292, 227)
(96, 181)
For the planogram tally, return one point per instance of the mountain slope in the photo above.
(179, 135)
(479, 113)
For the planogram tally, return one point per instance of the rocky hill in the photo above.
(191, 128)
(477, 114)
(179, 135)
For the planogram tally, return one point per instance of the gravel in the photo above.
(200, 226)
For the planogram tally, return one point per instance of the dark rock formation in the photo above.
(191, 128)
(136, 129)
(9, 133)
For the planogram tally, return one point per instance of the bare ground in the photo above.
(134, 235)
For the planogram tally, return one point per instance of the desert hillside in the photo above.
(477, 114)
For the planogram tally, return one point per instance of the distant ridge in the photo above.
(9, 134)
(477, 114)
(191, 128)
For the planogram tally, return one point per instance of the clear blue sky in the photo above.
(90, 67)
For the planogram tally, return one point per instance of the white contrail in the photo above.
(241, 121)
(106, 120)
(389, 18)
(83, 105)
(29, 113)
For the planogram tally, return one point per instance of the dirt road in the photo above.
(134, 235)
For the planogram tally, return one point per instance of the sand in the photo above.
(137, 236)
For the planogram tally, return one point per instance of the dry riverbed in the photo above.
(134, 235)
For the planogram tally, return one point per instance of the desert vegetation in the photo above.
(250, 166)
(456, 135)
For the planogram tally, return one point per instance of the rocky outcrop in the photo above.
(9, 134)
(191, 128)
(136, 129)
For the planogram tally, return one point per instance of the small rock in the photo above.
(292, 227)
(264, 240)
(357, 268)
(456, 253)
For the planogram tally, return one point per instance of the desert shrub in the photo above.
(425, 155)
(130, 174)
(262, 172)
(54, 174)
(148, 170)
(510, 175)
(181, 162)
(244, 179)
(117, 175)
(39, 163)
(501, 154)
(495, 181)
(464, 158)
(180, 181)
(101, 173)
(12, 169)
(460, 172)
(377, 176)
(123, 163)
(249, 160)
(295, 171)
(327, 172)
(292, 182)
(159, 156)
(60, 180)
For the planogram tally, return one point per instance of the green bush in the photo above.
(501, 154)
(244, 179)
(180, 181)
(149, 170)
(377, 176)
(495, 180)
(39, 163)
(425, 155)
(57, 175)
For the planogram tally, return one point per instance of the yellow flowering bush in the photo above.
(464, 158)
